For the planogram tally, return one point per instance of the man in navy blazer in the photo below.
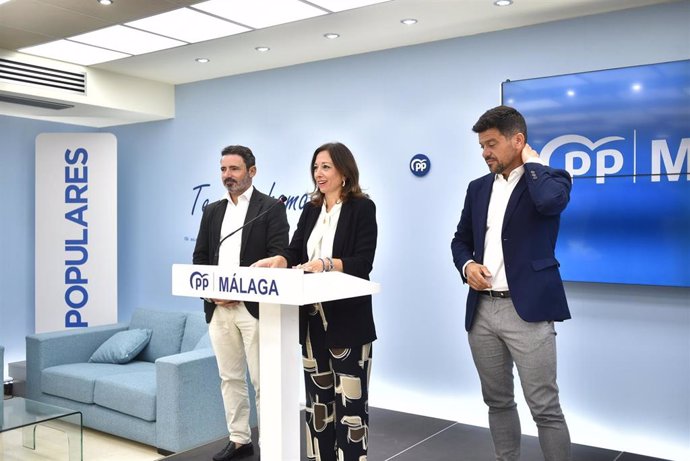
(504, 249)
(256, 227)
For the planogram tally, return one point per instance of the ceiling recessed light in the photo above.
(262, 49)
(105, 2)
(503, 2)
(331, 35)
(636, 87)
(203, 60)
(570, 93)
(409, 21)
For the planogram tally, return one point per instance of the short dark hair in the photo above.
(244, 152)
(507, 120)
(345, 163)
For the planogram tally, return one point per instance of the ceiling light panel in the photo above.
(77, 53)
(188, 25)
(260, 13)
(342, 5)
(126, 40)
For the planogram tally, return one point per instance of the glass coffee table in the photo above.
(24, 414)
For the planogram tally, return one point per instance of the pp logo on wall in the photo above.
(420, 165)
(76, 230)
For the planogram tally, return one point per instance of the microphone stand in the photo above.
(281, 199)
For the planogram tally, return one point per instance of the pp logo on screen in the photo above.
(198, 281)
(578, 162)
(420, 165)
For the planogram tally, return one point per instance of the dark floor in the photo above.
(405, 437)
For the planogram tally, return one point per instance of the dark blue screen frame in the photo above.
(624, 135)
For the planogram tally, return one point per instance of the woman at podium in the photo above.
(336, 232)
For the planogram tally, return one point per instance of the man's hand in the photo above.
(225, 302)
(273, 261)
(528, 152)
(478, 276)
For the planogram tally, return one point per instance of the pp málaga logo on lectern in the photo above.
(198, 281)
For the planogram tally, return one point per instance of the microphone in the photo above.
(281, 199)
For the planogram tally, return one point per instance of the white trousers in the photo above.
(234, 334)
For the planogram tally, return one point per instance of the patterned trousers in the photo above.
(337, 387)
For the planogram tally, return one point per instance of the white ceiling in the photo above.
(31, 22)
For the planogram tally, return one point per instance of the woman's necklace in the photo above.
(327, 216)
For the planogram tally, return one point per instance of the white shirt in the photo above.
(320, 243)
(493, 245)
(229, 252)
(501, 191)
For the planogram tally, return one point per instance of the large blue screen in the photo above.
(624, 135)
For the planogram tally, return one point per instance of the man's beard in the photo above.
(232, 185)
(497, 168)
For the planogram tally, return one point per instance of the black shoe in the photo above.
(231, 451)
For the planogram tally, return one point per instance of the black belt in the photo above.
(496, 294)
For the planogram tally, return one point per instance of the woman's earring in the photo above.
(343, 185)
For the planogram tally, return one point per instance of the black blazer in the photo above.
(267, 236)
(350, 321)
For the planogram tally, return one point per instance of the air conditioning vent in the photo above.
(34, 102)
(30, 74)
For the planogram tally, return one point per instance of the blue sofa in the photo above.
(167, 397)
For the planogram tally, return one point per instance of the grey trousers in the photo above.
(498, 338)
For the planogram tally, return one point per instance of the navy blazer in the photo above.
(350, 321)
(530, 229)
(267, 236)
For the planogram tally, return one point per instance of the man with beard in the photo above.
(234, 325)
(504, 250)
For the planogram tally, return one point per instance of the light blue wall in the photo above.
(624, 366)
(17, 173)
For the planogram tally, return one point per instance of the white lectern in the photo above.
(279, 292)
